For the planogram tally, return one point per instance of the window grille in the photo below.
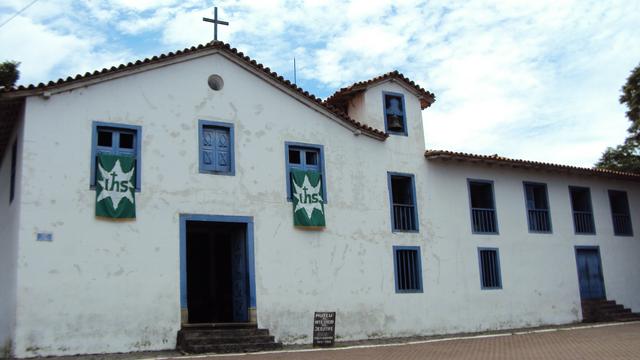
(490, 269)
(583, 222)
(538, 215)
(408, 271)
(483, 210)
(403, 202)
(620, 213)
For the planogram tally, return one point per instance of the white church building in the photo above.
(215, 228)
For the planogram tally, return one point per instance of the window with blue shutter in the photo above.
(116, 139)
(408, 269)
(216, 148)
(305, 157)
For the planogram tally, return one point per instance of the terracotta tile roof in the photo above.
(219, 45)
(341, 97)
(444, 155)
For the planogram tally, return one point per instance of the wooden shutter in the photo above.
(222, 150)
(216, 149)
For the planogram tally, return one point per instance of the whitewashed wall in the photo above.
(539, 273)
(9, 224)
(104, 286)
(114, 286)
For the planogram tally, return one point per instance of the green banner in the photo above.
(115, 186)
(308, 203)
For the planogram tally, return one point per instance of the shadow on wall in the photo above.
(5, 350)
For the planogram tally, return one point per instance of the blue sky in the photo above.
(538, 80)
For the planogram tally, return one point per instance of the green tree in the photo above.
(9, 73)
(626, 157)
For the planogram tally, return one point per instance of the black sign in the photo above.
(324, 328)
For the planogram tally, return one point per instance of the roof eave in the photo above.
(224, 49)
(527, 165)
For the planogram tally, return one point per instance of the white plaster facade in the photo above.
(104, 286)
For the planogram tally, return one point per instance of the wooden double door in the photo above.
(590, 273)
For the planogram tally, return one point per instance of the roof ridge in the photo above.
(427, 99)
(376, 133)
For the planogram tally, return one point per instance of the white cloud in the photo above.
(41, 51)
(538, 80)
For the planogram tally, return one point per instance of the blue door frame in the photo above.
(590, 275)
(248, 220)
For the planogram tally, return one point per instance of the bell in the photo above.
(394, 122)
(394, 115)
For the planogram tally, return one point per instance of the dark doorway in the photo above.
(217, 276)
(590, 274)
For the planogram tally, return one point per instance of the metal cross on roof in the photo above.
(215, 22)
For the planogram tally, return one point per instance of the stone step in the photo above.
(606, 310)
(232, 348)
(210, 326)
(617, 311)
(225, 338)
(598, 301)
(218, 333)
(260, 339)
(611, 307)
(629, 317)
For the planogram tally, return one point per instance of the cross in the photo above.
(215, 22)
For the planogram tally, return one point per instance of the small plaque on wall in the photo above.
(44, 236)
(324, 328)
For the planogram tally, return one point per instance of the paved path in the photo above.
(620, 341)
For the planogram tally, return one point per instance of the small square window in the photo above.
(312, 157)
(408, 270)
(126, 141)
(294, 156)
(105, 138)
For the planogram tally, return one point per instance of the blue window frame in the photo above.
(402, 200)
(484, 219)
(408, 269)
(395, 115)
(116, 139)
(583, 222)
(304, 157)
(537, 202)
(489, 261)
(620, 213)
(14, 164)
(216, 148)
